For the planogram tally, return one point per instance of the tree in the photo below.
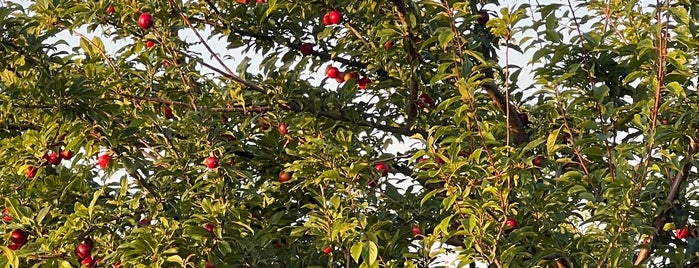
(155, 154)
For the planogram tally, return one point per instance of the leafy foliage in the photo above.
(590, 163)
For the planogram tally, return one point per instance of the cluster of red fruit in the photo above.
(53, 158)
(84, 253)
(333, 17)
(18, 238)
(685, 232)
(334, 72)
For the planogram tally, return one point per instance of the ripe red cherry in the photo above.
(335, 17)
(83, 251)
(19, 237)
(6, 215)
(144, 222)
(117, 264)
(340, 77)
(260, 1)
(363, 82)
(243, 1)
(15, 246)
(283, 128)
(110, 10)
(416, 230)
(211, 162)
(483, 17)
(103, 160)
(327, 250)
(150, 44)
(538, 161)
(209, 265)
(306, 49)
(168, 112)
(87, 262)
(664, 121)
(510, 224)
(284, 176)
(388, 44)
(332, 72)
(66, 154)
(145, 21)
(424, 101)
(381, 167)
(53, 158)
(31, 172)
(326, 19)
(682, 233)
(209, 227)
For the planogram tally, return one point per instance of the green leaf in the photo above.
(356, 251)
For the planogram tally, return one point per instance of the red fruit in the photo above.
(83, 251)
(424, 101)
(209, 227)
(283, 128)
(538, 161)
(340, 77)
(483, 17)
(332, 72)
(145, 21)
(351, 76)
(362, 83)
(168, 112)
(89, 243)
(31, 172)
(103, 160)
(211, 162)
(260, 1)
(278, 245)
(53, 158)
(682, 233)
(327, 250)
(117, 264)
(416, 230)
(87, 262)
(66, 154)
(306, 49)
(144, 222)
(6, 215)
(388, 45)
(166, 63)
(664, 121)
(15, 246)
(150, 44)
(381, 167)
(334, 17)
(284, 176)
(510, 224)
(110, 10)
(209, 265)
(19, 237)
(439, 160)
(326, 19)
(524, 118)
(243, 1)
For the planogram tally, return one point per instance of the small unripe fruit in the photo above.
(211, 162)
(340, 77)
(6, 215)
(19, 237)
(103, 160)
(306, 49)
(145, 21)
(351, 76)
(381, 167)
